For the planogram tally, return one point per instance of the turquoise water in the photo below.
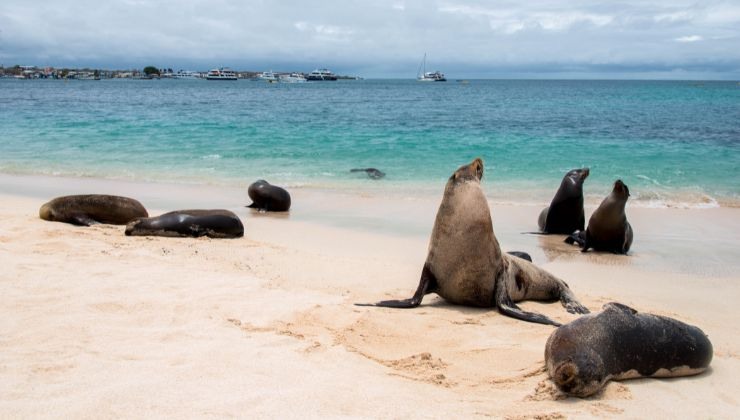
(673, 143)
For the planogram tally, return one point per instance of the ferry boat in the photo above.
(321, 74)
(224, 73)
(429, 76)
(292, 78)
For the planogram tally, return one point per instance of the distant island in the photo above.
(148, 72)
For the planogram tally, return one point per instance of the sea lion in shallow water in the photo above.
(608, 228)
(371, 172)
(465, 264)
(89, 209)
(620, 343)
(194, 223)
(565, 212)
(268, 197)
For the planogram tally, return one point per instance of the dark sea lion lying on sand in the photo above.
(184, 223)
(620, 343)
(85, 210)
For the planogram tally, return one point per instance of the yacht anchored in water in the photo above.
(224, 73)
(321, 74)
(292, 78)
(268, 76)
(429, 76)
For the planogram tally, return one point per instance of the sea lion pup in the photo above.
(371, 172)
(89, 209)
(565, 212)
(267, 197)
(608, 228)
(620, 343)
(184, 223)
(465, 264)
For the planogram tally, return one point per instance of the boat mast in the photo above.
(422, 67)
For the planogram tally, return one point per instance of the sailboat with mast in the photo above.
(423, 75)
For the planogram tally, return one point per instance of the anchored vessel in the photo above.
(429, 76)
(321, 74)
(224, 73)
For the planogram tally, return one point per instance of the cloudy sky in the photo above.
(383, 38)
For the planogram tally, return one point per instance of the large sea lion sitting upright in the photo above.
(620, 343)
(193, 223)
(565, 212)
(465, 264)
(85, 210)
(608, 228)
(268, 197)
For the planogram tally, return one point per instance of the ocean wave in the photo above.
(211, 157)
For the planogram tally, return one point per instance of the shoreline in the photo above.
(128, 326)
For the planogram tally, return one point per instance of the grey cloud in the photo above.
(379, 39)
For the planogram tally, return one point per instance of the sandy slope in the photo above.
(95, 324)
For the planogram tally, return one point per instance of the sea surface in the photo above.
(673, 143)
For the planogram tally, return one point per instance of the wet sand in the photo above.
(97, 324)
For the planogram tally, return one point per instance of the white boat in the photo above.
(428, 76)
(186, 74)
(292, 78)
(268, 76)
(224, 73)
(321, 74)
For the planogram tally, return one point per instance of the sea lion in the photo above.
(608, 228)
(268, 197)
(565, 212)
(465, 264)
(89, 209)
(620, 343)
(195, 223)
(371, 172)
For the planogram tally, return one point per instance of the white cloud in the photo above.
(689, 38)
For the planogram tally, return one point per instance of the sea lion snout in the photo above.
(620, 187)
(581, 375)
(469, 172)
(46, 212)
(131, 226)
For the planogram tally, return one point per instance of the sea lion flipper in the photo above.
(570, 303)
(82, 220)
(427, 283)
(507, 307)
(577, 237)
(520, 254)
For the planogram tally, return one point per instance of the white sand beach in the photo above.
(99, 325)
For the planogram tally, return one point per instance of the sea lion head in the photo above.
(470, 172)
(46, 212)
(577, 176)
(581, 374)
(621, 190)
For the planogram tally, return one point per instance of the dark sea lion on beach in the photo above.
(565, 212)
(608, 228)
(89, 209)
(371, 172)
(268, 197)
(193, 223)
(465, 264)
(620, 343)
